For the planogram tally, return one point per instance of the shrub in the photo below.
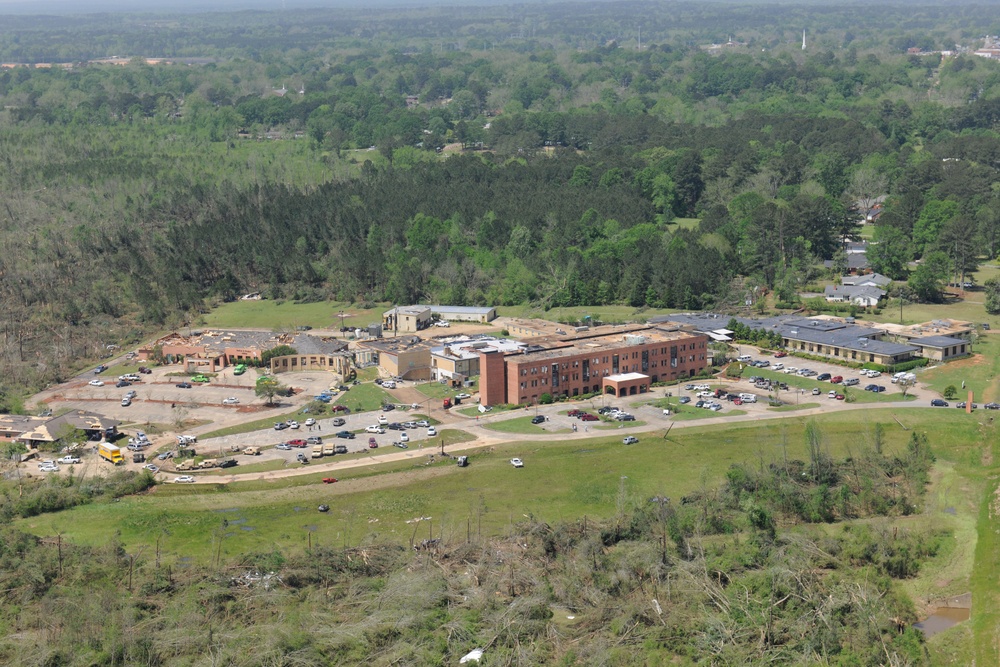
(950, 391)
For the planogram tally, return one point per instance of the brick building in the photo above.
(578, 363)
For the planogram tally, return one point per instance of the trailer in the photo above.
(110, 453)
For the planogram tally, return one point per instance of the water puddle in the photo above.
(236, 522)
(942, 619)
(247, 528)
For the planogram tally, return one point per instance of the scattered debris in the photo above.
(472, 656)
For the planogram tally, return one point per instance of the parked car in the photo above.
(310, 421)
(374, 428)
(870, 387)
(463, 396)
(339, 422)
(423, 423)
(684, 399)
(100, 369)
(347, 435)
(164, 456)
(401, 445)
(96, 383)
(144, 370)
(298, 442)
(878, 389)
(822, 377)
(284, 446)
(328, 480)
(151, 468)
(68, 460)
(292, 423)
(130, 394)
(200, 378)
(232, 400)
(372, 443)
(123, 383)
(431, 431)
(939, 403)
(227, 463)
(184, 479)
(517, 463)
(780, 355)
(126, 402)
(815, 391)
(836, 379)
(630, 440)
(589, 418)
(992, 406)
(538, 419)
(280, 426)
(183, 385)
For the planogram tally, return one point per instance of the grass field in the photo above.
(364, 398)
(438, 390)
(561, 480)
(520, 425)
(566, 480)
(266, 314)
(794, 407)
(255, 425)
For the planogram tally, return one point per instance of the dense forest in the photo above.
(501, 155)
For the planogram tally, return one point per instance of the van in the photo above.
(209, 463)
(252, 451)
(317, 452)
(748, 398)
(328, 450)
(388, 384)
(744, 358)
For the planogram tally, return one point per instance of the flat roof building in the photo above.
(406, 319)
(481, 314)
(407, 357)
(458, 359)
(578, 363)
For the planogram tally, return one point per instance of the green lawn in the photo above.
(255, 425)
(793, 407)
(364, 398)
(519, 425)
(689, 413)
(686, 223)
(981, 372)
(440, 391)
(561, 480)
(267, 314)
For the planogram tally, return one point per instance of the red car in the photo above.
(339, 408)
(296, 443)
(836, 379)
(839, 397)
(574, 413)
(329, 480)
(372, 443)
(780, 355)
(587, 417)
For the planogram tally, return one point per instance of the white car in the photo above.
(778, 366)
(232, 400)
(374, 428)
(403, 437)
(790, 370)
(431, 431)
(310, 421)
(68, 460)
(49, 468)
(517, 463)
(184, 479)
(382, 421)
(283, 446)
(423, 423)
(96, 383)
(463, 396)
(126, 402)
(151, 468)
(292, 424)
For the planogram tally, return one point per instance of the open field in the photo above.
(980, 372)
(267, 314)
(519, 425)
(560, 480)
(439, 390)
(364, 398)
